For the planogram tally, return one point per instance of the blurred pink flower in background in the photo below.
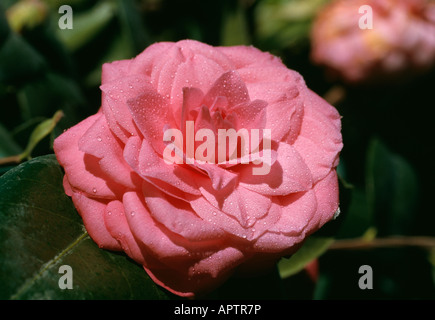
(401, 40)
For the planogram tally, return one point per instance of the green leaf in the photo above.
(310, 250)
(235, 26)
(357, 219)
(392, 190)
(132, 26)
(40, 132)
(40, 230)
(86, 25)
(284, 23)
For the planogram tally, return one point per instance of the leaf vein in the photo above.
(28, 284)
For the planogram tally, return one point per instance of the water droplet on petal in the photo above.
(336, 213)
(94, 190)
(99, 139)
(133, 213)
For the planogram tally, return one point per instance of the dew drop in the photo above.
(109, 213)
(99, 139)
(94, 190)
(336, 213)
(133, 213)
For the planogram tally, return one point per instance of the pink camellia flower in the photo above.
(191, 223)
(366, 40)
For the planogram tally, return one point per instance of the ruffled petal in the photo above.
(182, 220)
(117, 225)
(202, 277)
(92, 212)
(151, 114)
(114, 70)
(302, 214)
(242, 213)
(327, 195)
(100, 142)
(228, 85)
(248, 56)
(147, 232)
(115, 95)
(288, 174)
(319, 141)
(91, 180)
(144, 160)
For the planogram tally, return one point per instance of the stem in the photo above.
(11, 159)
(394, 241)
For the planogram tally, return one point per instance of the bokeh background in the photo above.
(386, 169)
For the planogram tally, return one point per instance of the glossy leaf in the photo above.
(40, 132)
(358, 218)
(392, 190)
(40, 231)
(310, 250)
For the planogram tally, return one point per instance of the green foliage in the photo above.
(392, 190)
(312, 248)
(40, 231)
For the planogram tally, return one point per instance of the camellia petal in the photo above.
(92, 211)
(288, 174)
(91, 180)
(192, 222)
